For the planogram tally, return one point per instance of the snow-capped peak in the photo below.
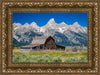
(26, 24)
(52, 25)
(76, 24)
(62, 23)
(16, 25)
(34, 25)
(51, 21)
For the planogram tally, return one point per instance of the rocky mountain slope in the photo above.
(66, 35)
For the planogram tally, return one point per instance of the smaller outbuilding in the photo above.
(42, 43)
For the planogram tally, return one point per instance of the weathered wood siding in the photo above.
(50, 44)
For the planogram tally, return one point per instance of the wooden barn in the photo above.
(42, 43)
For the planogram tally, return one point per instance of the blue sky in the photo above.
(42, 18)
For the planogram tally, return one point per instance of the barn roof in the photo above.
(38, 41)
(31, 45)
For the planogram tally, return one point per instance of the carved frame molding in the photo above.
(9, 7)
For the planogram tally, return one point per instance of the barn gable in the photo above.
(50, 43)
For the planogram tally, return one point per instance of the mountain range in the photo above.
(66, 35)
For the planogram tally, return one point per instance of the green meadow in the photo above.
(49, 56)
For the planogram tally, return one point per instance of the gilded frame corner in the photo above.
(90, 7)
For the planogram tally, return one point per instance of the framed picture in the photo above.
(49, 37)
(47, 41)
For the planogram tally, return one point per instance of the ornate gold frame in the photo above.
(49, 6)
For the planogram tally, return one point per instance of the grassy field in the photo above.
(49, 56)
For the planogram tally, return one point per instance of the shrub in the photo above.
(83, 59)
(44, 58)
(15, 57)
(32, 61)
(57, 59)
(46, 55)
(20, 59)
(66, 60)
(73, 59)
(49, 57)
